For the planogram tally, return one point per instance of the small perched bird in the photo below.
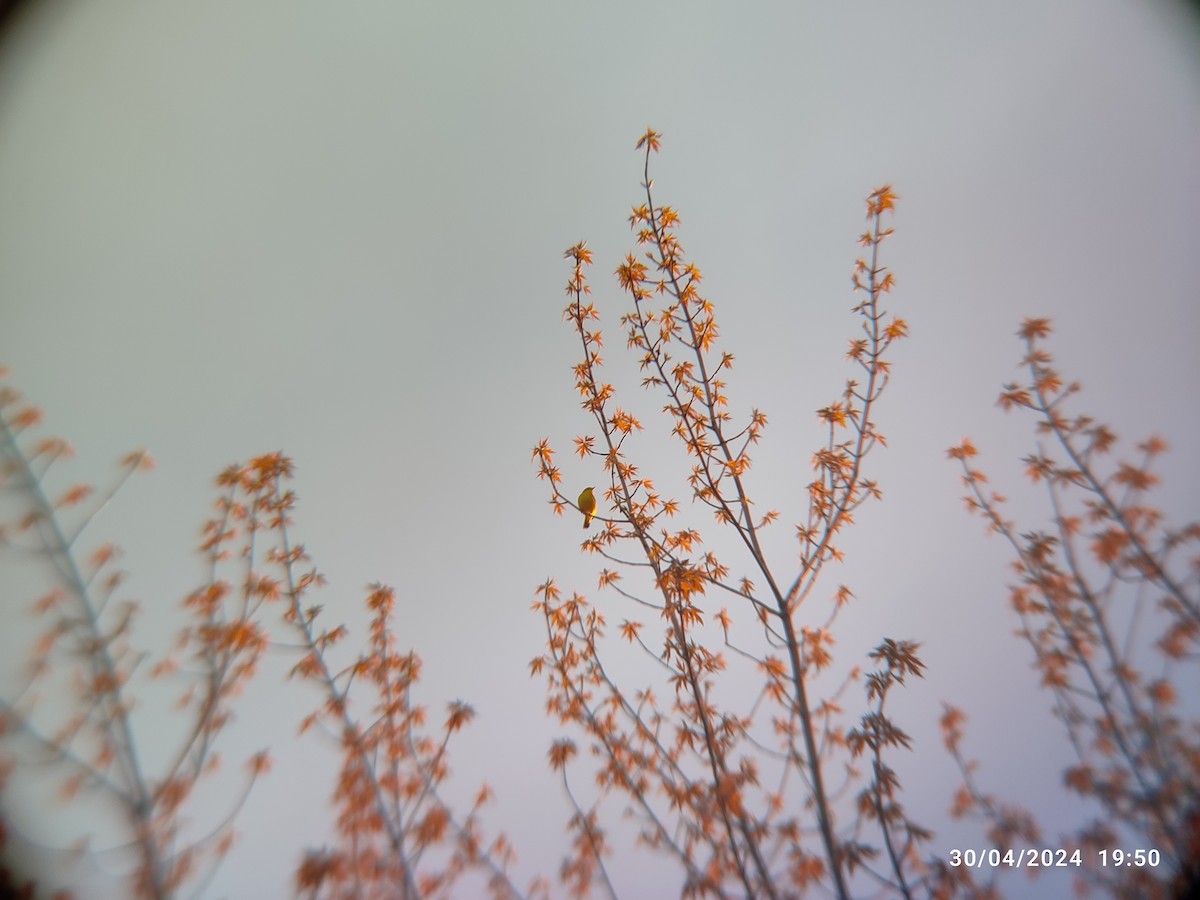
(587, 506)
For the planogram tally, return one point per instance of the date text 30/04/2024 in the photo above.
(1033, 858)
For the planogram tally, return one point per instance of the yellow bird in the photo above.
(587, 506)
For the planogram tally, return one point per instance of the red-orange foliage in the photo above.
(391, 818)
(731, 804)
(397, 837)
(765, 796)
(1108, 602)
(85, 653)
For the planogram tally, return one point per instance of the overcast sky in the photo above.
(229, 228)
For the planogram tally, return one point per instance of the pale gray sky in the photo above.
(337, 230)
